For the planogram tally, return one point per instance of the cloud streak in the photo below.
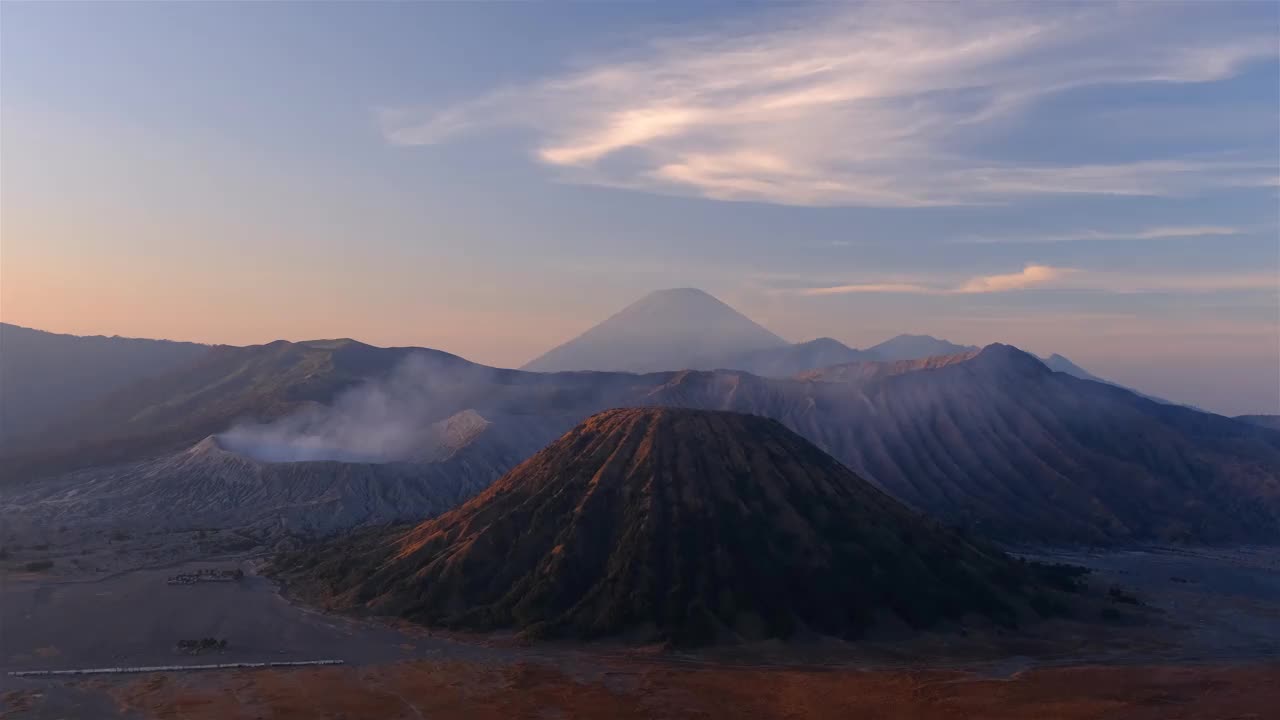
(1046, 277)
(1151, 233)
(1031, 276)
(871, 105)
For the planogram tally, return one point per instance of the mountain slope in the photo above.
(792, 359)
(665, 330)
(914, 347)
(224, 386)
(1266, 421)
(1058, 363)
(211, 485)
(866, 371)
(681, 525)
(46, 376)
(995, 441)
(1000, 443)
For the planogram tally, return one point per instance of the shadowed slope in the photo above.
(1058, 363)
(687, 525)
(224, 386)
(1267, 421)
(47, 376)
(861, 372)
(1000, 443)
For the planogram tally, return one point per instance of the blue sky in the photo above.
(1098, 180)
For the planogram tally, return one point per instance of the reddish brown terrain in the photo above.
(625, 690)
(581, 540)
(688, 526)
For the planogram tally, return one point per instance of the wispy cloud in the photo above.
(911, 288)
(1045, 277)
(1151, 233)
(1030, 276)
(879, 104)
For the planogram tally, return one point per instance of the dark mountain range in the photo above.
(866, 371)
(665, 330)
(793, 359)
(816, 355)
(1266, 421)
(998, 442)
(46, 376)
(663, 524)
(914, 347)
(992, 440)
(1058, 363)
(223, 386)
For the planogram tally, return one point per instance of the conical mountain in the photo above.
(670, 524)
(665, 330)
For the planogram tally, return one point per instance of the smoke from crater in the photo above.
(379, 421)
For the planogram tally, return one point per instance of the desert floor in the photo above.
(1211, 649)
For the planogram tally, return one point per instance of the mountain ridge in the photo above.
(206, 396)
(1267, 421)
(1059, 363)
(47, 376)
(792, 359)
(914, 347)
(996, 442)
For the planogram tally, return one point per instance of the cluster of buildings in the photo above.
(206, 575)
(195, 647)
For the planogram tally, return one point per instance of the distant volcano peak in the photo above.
(672, 329)
(681, 292)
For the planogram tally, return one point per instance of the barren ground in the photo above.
(1210, 649)
(478, 691)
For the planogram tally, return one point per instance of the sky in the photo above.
(1100, 180)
